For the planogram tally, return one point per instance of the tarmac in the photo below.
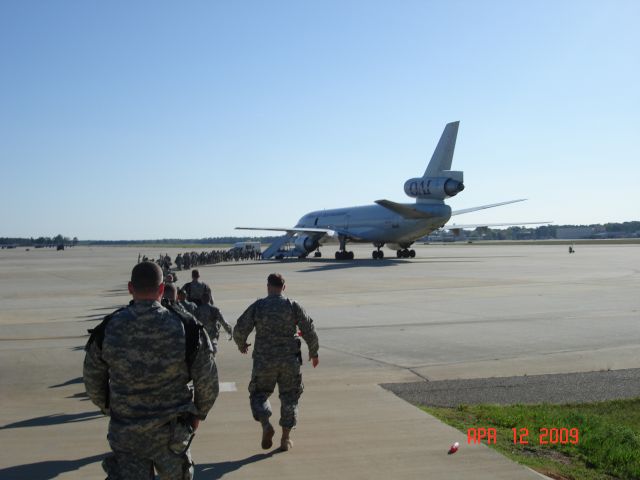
(453, 312)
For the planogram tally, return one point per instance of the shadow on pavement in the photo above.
(73, 381)
(113, 307)
(56, 419)
(317, 265)
(81, 396)
(214, 471)
(47, 469)
(96, 316)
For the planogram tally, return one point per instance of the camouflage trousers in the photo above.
(137, 454)
(266, 374)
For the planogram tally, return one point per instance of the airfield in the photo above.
(453, 312)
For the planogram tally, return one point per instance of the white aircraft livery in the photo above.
(396, 225)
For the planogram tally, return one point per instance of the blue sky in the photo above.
(135, 120)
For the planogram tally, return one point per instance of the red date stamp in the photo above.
(522, 436)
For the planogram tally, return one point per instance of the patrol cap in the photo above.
(276, 280)
(146, 277)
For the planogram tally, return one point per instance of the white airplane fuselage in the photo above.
(396, 225)
(375, 224)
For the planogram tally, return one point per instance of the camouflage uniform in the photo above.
(212, 319)
(195, 289)
(138, 374)
(191, 308)
(276, 355)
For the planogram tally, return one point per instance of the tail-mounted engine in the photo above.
(437, 188)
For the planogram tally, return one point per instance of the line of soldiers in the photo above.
(151, 367)
(188, 260)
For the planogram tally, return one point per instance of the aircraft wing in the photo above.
(405, 210)
(482, 207)
(455, 226)
(327, 231)
(332, 232)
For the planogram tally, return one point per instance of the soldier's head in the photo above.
(195, 274)
(146, 282)
(170, 292)
(169, 278)
(275, 284)
(182, 295)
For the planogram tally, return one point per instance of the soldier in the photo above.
(170, 299)
(195, 288)
(212, 319)
(276, 357)
(179, 261)
(186, 304)
(137, 367)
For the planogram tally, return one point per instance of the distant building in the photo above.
(570, 233)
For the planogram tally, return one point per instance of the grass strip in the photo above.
(608, 440)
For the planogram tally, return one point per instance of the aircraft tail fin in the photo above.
(438, 181)
(443, 154)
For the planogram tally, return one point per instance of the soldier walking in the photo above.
(195, 288)
(212, 320)
(137, 367)
(276, 357)
(186, 304)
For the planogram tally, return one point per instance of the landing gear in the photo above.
(344, 255)
(406, 253)
(378, 254)
(317, 254)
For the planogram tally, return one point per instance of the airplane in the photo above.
(396, 225)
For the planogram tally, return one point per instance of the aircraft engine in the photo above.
(433, 187)
(305, 243)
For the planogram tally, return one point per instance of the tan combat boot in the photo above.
(286, 443)
(267, 435)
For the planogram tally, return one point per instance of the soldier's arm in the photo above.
(205, 377)
(95, 374)
(222, 321)
(243, 327)
(305, 324)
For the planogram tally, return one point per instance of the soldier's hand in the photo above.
(244, 348)
(314, 361)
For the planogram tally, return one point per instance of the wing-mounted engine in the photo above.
(435, 188)
(306, 243)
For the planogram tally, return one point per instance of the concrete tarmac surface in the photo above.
(454, 312)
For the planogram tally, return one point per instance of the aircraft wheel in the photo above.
(374, 254)
(399, 253)
(338, 255)
(380, 254)
(412, 253)
(350, 255)
(317, 254)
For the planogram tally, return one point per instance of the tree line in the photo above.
(543, 232)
